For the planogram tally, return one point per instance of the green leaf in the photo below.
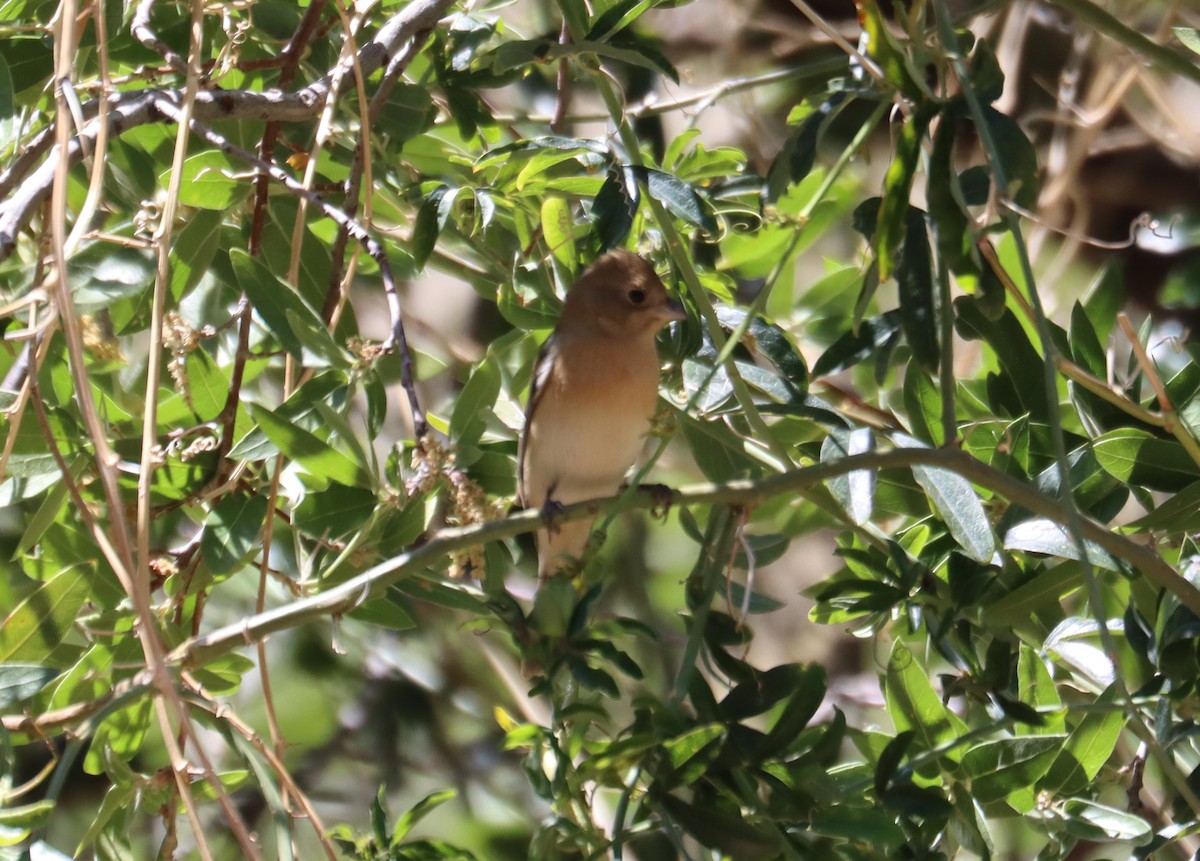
(590, 677)
(1017, 356)
(893, 220)
(120, 735)
(758, 602)
(1017, 155)
(947, 217)
(616, 18)
(854, 491)
(1037, 690)
(687, 747)
(209, 181)
(207, 385)
(232, 530)
(864, 825)
(628, 49)
(796, 713)
(409, 112)
(26, 816)
(8, 103)
(287, 316)
(558, 226)
(448, 595)
(223, 676)
(797, 156)
(418, 811)
(118, 798)
(731, 833)
(1045, 536)
(1178, 513)
(914, 278)
(957, 503)
(474, 404)
(998, 768)
(44, 618)
(385, 613)
(19, 682)
(1189, 36)
(46, 515)
(872, 336)
(776, 346)
(923, 403)
(1139, 458)
(300, 409)
(1088, 748)
(317, 347)
(679, 197)
(1086, 349)
(193, 251)
(426, 227)
(764, 690)
(1099, 823)
(319, 458)
(30, 61)
(614, 207)
(1039, 593)
(883, 49)
(914, 704)
(335, 512)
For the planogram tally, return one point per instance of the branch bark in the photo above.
(747, 493)
(341, 599)
(24, 187)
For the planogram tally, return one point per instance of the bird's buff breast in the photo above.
(584, 442)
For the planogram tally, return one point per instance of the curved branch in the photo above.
(351, 594)
(396, 340)
(345, 597)
(144, 33)
(129, 110)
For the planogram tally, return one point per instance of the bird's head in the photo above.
(621, 295)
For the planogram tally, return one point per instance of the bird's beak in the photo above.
(673, 310)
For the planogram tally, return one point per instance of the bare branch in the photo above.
(745, 493)
(396, 339)
(24, 187)
(144, 33)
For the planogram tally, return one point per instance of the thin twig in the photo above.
(144, 33)
(396, 339)
(1143, 46)
(360, 169)
(1170, 416)
(749, 493)
(290, 787)
(96, 181)
(24, 186)
(289, 63)
(868, 65)
(562, 85)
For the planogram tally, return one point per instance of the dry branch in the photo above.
(25, 187)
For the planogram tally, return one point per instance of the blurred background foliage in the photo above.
(940, 264)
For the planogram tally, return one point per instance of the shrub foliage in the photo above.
(213, 219)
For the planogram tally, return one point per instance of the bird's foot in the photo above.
(662, 496)
(551, 510)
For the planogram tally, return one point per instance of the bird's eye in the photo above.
(637, 296)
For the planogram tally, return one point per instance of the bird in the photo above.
(593, 395)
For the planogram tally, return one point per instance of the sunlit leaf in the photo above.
(32, 629)
(318, 457)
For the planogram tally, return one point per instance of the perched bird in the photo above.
(594, 391)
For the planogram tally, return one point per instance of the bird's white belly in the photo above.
(588, 454)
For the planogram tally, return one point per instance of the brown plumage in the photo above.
(594, 392)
